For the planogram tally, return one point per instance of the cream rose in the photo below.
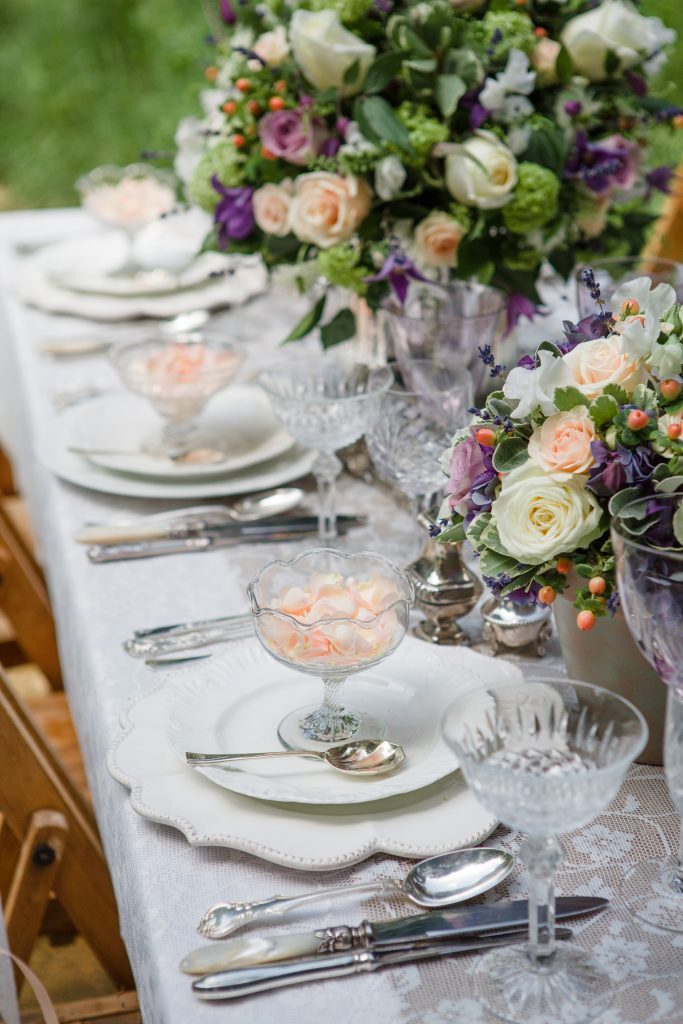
(482, 173)
(594, 364)
(614, 27)
(539, 518)
(327, 208)
(325, 50)
(271, 205)
(437, 238)
(562, 445)
(272, 47)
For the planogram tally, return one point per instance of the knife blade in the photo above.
(200, 524)
(246, 981)
(432, 926)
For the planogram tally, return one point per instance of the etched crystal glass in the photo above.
(651, 589)
(325, 404)
(330, 615)
(545, 756)
(610, 273)
(178, 376)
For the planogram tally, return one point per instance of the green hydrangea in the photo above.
(425, 131)
(339, 265)
(221, 160)
(516, 258)
(462, 214)
(348, 10)
(534, 202)
(516, 31)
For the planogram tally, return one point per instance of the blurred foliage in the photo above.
(86, 82)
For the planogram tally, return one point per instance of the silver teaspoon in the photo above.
(362, 757)
(435, 882)
(183, 456)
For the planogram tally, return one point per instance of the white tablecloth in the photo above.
(162, 884)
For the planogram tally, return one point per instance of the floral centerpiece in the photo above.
(375, 142)
(589, 428)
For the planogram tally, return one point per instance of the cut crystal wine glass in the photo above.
(331, 615)
(650, 582)
(177, 375)
(544, 756)
(325, 404)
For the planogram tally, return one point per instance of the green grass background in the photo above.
(86, 82)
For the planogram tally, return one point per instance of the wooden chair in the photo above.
(49, 846)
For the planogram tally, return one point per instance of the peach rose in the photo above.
(594, 364)
(437, 238)
(591, 218)
(328, 208)
(562, 445)
(271, 205)
(544, 60)
(272, 47)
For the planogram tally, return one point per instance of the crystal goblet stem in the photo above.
(541, 859)
(331, 721)
(326, 469)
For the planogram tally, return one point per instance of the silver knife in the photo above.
(214, 523)
(432, 926)
(247, 981)
(205, 542)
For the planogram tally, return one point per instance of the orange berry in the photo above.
(678, 121)
(637, 419)
(254, 107)
(629, 307)
(243, 84)
(585, 620)
(540, 31)
(670, 389)
(229, 107)
(486, 437)
(674, 431)
(267, 155)
(276, 103)
(547, 595)
(597, 585)
(211, 73)
(239, 141)
(280, 85)
(564, 566)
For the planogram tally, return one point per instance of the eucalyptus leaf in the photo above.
(499, 407)
(449, 90)
(669, 485)
(622, 502)
(308, 322)
(510, 454)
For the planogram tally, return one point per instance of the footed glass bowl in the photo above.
(331, 615)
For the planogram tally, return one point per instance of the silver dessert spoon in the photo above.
(435, 882)
(363, 757)
(189, 456)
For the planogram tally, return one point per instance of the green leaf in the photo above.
(568, 398)
(587, 571)
(379, 117)
(510, 454)
(612, 62)
(617, 393)
(623, 499)
(477, 527)
(381, 72)
(340, 327)
(352, 72)
(425, 67)
(678, 524)
(493, 564)
(499, 407)
(670, 485)
(564, 67)
(547, 146)
(449, 90)
(452, 534)
(307, 323)
(603, 410)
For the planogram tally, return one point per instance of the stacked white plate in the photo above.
(300, 813)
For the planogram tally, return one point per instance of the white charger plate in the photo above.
(236, 702)
(104, 280)
(441, 817)
(239, 419)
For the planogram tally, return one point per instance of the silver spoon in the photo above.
(362, 757)
(435, 882)
(183, 456)
(90, 344)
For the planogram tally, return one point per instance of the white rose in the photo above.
(595, 364)
(539, 518)
(325, 50)
(272, 47)
(271, 205)
(389, 177)
(328, 208)
(612, 26)
(437, 238)
(483, 172)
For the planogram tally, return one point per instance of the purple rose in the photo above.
(294, 136)
(234, 213)
(467, 463)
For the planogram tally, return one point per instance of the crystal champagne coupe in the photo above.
(650, 579)
(331, 615)
(544, 756)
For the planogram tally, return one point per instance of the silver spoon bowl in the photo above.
(436, 882)
(363, 757)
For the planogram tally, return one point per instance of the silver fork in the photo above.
(163, 641)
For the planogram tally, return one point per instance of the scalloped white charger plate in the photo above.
(235, 703)
(441, 817)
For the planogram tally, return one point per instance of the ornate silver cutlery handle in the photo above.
(154, 647)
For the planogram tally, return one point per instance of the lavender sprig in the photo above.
(488, 359)
(588, 278)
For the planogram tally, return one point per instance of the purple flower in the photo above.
(636, 83)
(591, 327)
(573, 108)
(614, 470)
(660, 178)
(527, 362)
(234, 214)
(525, 597)
(477, 111)
(331, 147)
(604, 166)
(467, 465)
(342, 126)
(518, 306)
(228, 16)
(292, 135)
(398, 270)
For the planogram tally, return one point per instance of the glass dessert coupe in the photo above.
(128, 198)
(545, 756)
(330, 615)
(178, 375)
